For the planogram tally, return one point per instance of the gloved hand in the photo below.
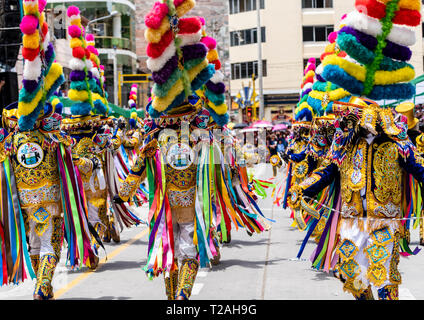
(96, 163)
(121, 124)
(117, 199)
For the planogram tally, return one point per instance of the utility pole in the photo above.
(115, 77)
(260, 65)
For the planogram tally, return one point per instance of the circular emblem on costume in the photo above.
(301, 169)
(274, 160)
(180, 156)
(30, 155)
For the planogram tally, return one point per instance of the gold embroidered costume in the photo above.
(372, 185)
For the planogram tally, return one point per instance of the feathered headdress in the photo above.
(213, 92)
(81, 75)
(177, 57)
(99, 96)
(41, 75)
(132, 101)
(377, 36)
(324, 93)
(303, 111)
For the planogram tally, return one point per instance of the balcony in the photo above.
(109, 42)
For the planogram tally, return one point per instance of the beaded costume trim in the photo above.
(387, 174)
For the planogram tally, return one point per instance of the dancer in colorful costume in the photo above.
(321, 99)
(132, 137)
(127, 154)
(299, 164)
(94, 140)
(407, 109)
(311, 214)
(39, 182)
(299, 138)
(190, 188)
(370, 152)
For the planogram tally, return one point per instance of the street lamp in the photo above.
(260, 65)
(112, 14)
(115, 80)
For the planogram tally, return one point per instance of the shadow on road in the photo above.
(142, 241)
(112, 265)
(235, 243)
(260, 264)
(121, 265)
(322, 275)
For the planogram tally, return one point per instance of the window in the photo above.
(237, 6)
(316, 33)
(245, 70)
(242, 5)
(243, 67)
(308, 4)
(263, 34)
(248, 36)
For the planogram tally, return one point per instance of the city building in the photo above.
(292, 32)
(113, 25)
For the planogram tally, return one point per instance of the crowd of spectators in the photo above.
(277, 142)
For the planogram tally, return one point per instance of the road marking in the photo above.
(196, 289)
(198, 286)
(405, 294)
(89, 272)
(202, 274)
(268, 245)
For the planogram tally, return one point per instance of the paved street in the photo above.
(257, 267)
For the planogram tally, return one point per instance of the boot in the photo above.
(187, 276)
(35, 261)
(92, 265)
(216, 259)
(389, 292)
(43, 287)
(171, 283)
(114, 233)
(365, 295)
(101, 231)
(107, 237)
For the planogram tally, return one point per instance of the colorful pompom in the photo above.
(373, 35)
(74, 31)
(154, 18)
(29, 24)
(72, 11)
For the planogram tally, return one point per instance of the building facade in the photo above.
(292, 32)
(114, 37)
